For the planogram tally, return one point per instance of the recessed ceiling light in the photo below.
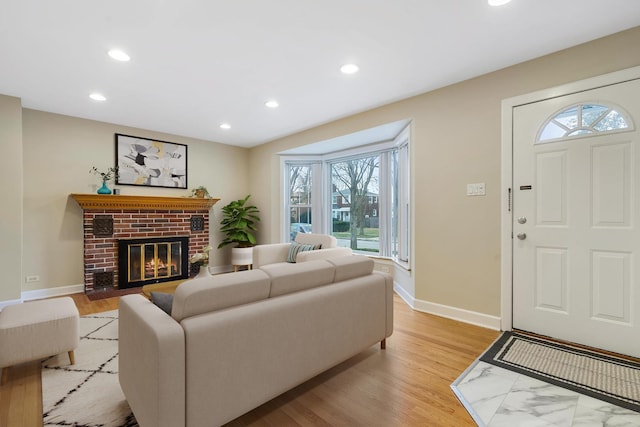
(118, 55)
(272, 103)
(498, 2)
(349, 68)
(225, 126)
(97, 97)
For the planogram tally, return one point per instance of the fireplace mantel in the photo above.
(107, 219)
(123, 202)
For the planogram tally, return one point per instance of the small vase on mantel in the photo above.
(106, 176)
(104, 189)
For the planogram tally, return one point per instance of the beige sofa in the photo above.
(278, 252)
(234, 341)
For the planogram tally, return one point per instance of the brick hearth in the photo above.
(109, 218)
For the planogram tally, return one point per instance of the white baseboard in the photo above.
(52, 292)
(3, 304)
(44, 293)
(76, 289)
(406, 296)
(467, 316)
(455, 313)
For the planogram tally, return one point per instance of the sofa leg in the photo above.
(5, 375)
(383, 344)
(72, 357)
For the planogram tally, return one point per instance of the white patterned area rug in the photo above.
(88, 393)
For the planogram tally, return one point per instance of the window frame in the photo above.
(590, 129)
(316, 167)
(328, 177)
(321, 212)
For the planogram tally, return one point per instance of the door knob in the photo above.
(522, 236)
(522, 220)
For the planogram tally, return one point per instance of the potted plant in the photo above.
(200, 192)
(238, 224)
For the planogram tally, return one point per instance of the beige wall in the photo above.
(11, 197)
(455, 141)
(59, 151)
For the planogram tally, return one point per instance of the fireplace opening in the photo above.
(152, 260)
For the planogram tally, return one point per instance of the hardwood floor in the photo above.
(21, 388)
(405, 385)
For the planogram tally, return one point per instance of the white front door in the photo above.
(576, 223)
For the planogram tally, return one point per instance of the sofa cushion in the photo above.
(296, 248)
(350, 267)
(326, 240)
(163, 301)
(203, 295)
(323, 254)
(288, 278)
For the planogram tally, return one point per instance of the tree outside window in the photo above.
(356, 183)
(300, 191)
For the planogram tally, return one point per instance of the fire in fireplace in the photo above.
(152, 260)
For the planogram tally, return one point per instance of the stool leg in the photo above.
(72, 358)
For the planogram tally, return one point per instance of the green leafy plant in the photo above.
(239, 223)
(110, 174)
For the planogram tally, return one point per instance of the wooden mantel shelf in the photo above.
(122, 202)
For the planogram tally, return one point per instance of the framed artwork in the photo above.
(150, 163)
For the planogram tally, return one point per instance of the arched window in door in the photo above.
(584, 119)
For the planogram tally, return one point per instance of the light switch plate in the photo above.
(477, 189)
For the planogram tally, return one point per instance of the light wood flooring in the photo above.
(405, 385)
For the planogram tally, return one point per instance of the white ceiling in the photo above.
(198, 63)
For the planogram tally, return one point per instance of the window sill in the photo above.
(390, 261)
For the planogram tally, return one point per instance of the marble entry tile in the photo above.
(535, 403)
(485, 387)
(596, 413)
(497, 397)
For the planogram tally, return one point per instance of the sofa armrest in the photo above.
(322, 254)
(388, 281)
(270, 254)
(151, 347)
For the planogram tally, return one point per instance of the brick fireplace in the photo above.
(107, 219)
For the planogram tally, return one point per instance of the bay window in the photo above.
(361, 197)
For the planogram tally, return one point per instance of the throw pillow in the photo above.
(163, 301)
(296, 248)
